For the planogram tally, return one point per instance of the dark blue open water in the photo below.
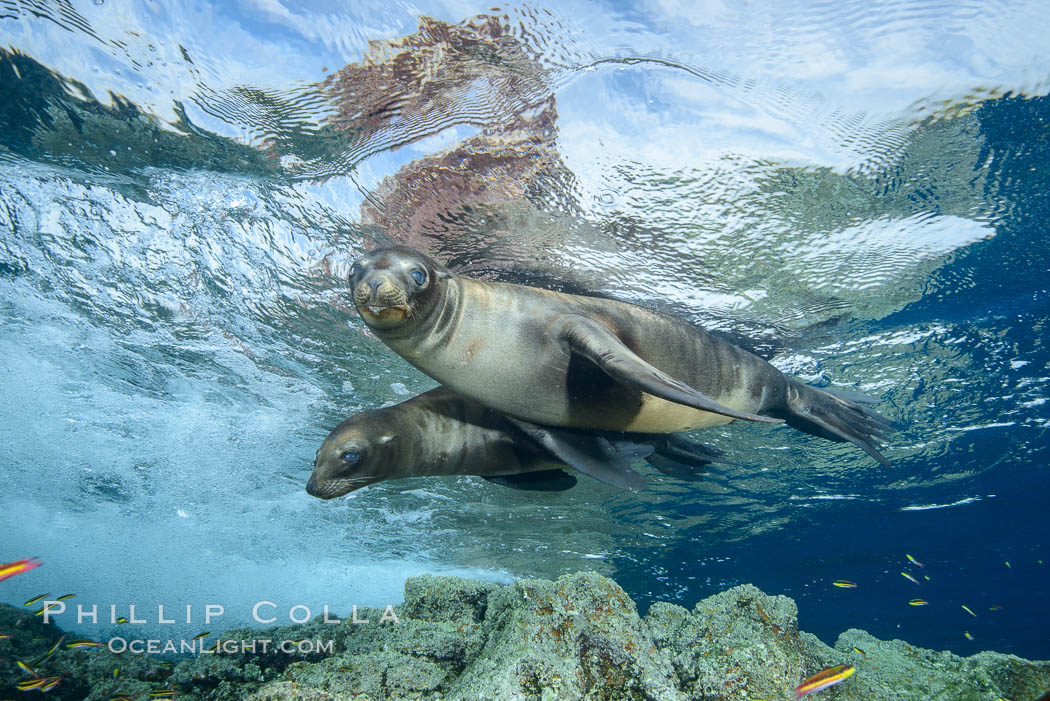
(859, 193)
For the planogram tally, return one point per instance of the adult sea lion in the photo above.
(566, 360)
(442, 433)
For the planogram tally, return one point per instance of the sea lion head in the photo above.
(396, 287)
(359, 452)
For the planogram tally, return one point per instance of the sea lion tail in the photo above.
(836, 416)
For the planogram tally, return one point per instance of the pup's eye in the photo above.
(354, 270)
(350, 456)
(419, 276)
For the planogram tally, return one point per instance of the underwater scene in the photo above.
(581, 349)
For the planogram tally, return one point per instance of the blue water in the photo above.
(858, 193)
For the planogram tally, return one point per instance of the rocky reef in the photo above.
(577, 637)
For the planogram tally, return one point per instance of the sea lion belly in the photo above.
(661, 416)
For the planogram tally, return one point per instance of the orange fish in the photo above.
(10, 569)
(824, 679)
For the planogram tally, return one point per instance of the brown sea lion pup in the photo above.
(442, 433)
(566, 360)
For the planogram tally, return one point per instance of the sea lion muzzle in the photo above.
(382, 300)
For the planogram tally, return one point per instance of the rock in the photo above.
(451, 599)
(580, 635)
(740, 644)
(896, 670)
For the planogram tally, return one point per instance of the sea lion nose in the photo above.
(311, 487)
(367, 289)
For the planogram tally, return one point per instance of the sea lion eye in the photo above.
(419, 276)
(350, 456)
(354, 270)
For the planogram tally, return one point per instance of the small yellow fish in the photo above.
(967, 634)
(201, 635)
(52, 682)
(5, 636)
(82, 643)
(967, 610)
(996, 607)
(926, 577)
(162, 693)
(909, 577)
(913, 560)
(844, 584)
(65, 596)
(27, 669)
(122, 620)
(35, 599)
(55, 647)
(31, 684)
(919, 602)
(116, 672)
(860, 652)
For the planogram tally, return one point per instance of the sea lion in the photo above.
(566, 360)
(442, 433)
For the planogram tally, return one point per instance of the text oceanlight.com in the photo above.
(228, 647)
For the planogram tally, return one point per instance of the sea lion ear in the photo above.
(442, 274)
(387, 438)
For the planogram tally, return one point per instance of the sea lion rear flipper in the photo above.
(598, 343)
(539, 481)
(678, 470)
(591, 454)
(830, 415)
(683, 459)
(680, 450)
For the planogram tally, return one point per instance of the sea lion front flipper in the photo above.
(590, 454)
(597, 342)
(539, 481)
